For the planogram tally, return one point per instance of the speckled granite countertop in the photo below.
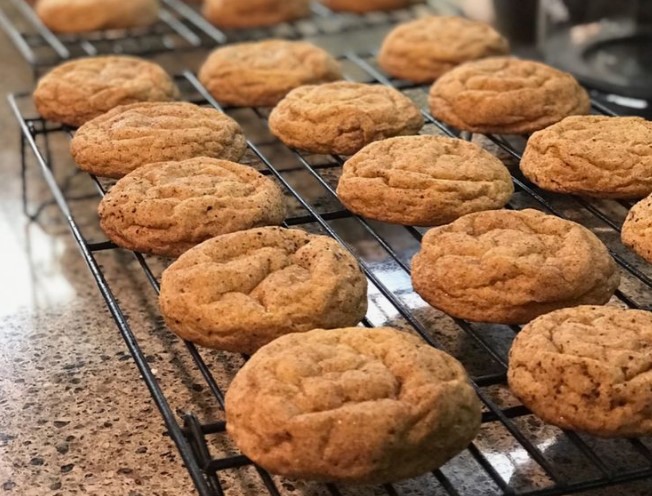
(75, 418)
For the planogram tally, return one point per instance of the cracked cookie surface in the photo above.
(588, 369)
(253, 13)
(260, 74)
(361, 6)
(424, 49)
(509, 267)
(239, 291)
(167, 208)
(128, 137)
(82, 89)
(423, 180)
(355, 405)
(604, 157)
(343, 117)
(78, 16)
(505, 95)
(637, 229)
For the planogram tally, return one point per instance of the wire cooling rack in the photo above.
(180, 27)
(515, 453)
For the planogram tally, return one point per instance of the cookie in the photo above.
(130, 136)
(167, 208)
(423, 180)
(239, 291)
(587, 369)
(82, 89)
(637, 229)
(254, 13)
(354, 405)
(361, 6)
(342, 117)
(78, 16)
(260, 74)
(604, 157)
(509, 267)
(505, 95)
(424, 49)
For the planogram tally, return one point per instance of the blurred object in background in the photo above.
(607, 44)
(516, 19)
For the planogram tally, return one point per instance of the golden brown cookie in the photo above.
(509, 267)
(605, 157)
(424, 49)
(342, 117)
(637, 229)
(587, 369)
(423, 180)
(78, 16)
(506, 95)
(260, 74)
(254, 13)
(130, 136)
(239, 291)
(167, 208)
(354, 405)
(361, 6)
(82, 89)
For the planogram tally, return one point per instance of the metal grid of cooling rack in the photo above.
(180, 27)
(515, 454)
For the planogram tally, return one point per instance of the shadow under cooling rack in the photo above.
(515, 453)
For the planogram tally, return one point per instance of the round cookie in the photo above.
(260, 74)
(354, 405)
(509, 267)
(604, 157)
(424, 49)
(167, 208)
(587, 369)
(637, 229)
(130, 136)
(362, 6)
(423, 180)
(254, 13)
(505, 95)
(78, 16)
(82, 89)
(342, 117)
(239, 291)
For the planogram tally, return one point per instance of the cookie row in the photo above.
(241, 291)
(378, 405)
(79, 16)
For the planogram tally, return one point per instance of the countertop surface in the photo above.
(75, 418)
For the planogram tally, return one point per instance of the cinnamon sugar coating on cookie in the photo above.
(78, 16)
(131, 136)
(423, 180)
(637, 229)
(343, 117)
(82, 89)
(361, 6)
(587, 369)
(509, 266)
(604, 157)
(239, 291)
(254, 13)
(354, 405)
(506, 95)
(260, 74)
(167, 208)
(424, 49)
